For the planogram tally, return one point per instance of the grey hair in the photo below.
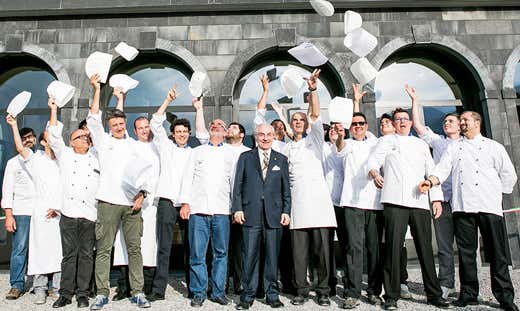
(263, 124)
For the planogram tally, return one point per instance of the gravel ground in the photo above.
(176, 293)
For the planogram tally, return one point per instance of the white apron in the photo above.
(45, 252)
(149, 211)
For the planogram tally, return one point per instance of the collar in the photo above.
(185, 146)
(219, 145)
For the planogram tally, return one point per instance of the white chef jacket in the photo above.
(18, 191)
(334, 171)
(311, 205)
(439, 144)
(206, 184)
(359, 190)
(80, 177)
(45, 251)
(481, 171)
(115, 157)
(278, 146)
(150, 154)
(174, 161)
(406, 161)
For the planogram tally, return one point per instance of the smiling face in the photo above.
(451, 125)
(181, 134)
(80, 141)
(264, 136)
(217, 128)
(358, 128)
(279, 129)
(142, 130)
(117, 127)
(469, 124)
(233, 133)
(299, 123)
(402, 123)
(386, 127)
(28, 140)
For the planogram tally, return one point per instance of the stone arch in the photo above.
(50, 59)
(509, 73)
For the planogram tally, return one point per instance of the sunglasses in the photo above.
(360, 123)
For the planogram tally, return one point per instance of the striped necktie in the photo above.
(265, 164)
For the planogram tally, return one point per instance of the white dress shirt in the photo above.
(18, 191)
(80, 177)
(174, 161)
(206, 184)
(439, 144)
(481, 171)
(311, 205)
(334, 171)
(406, 161)
(115, 157)
(359, 190)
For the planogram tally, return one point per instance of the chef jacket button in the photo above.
(476, 184)
(476, 172)
(461, 183)
(83, 201)
(476, 160)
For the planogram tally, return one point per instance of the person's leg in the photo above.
(340, 232)
(286, 263)
(123, 284)
(444, 236)
(219, 246)
(403, 262)
(166, 217)
(41, 285)
(252, 238)
(271, 247)
(321, 251)
(56, 281)
(70, 243)
(133, 231)
(300, 243)
(466, 230)
(235, 256)
(354, 220)
(148, 275)
(108, 218)
(420, 225)
(396, 221)
(492, 227)
(20, 247)
(374, 223)
(85, 267)
(199, 232)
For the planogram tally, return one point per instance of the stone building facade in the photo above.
(475, 44)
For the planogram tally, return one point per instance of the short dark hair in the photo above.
(399, 110)
(82, 124)
(26, 130)
(452, 114)
(385, 116)
(139, 118)
(240, 127)
(115, 113)
(183, 122)
(278, 120)
(171, 117)
(326, 129)
(359, 114)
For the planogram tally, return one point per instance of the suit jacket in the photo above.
(258, 198)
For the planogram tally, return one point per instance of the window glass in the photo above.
(516, 81)
(29, 79)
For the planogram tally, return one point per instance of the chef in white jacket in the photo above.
(149, 153)
(405, 161)
(44, 237)
(481, 171)
(312, 210)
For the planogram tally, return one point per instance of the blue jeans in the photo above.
(20, 247)
(202, 228)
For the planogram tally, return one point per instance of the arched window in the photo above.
(248, 88)
(156, 72)
(516, 84)
(22, 72)
(435, 96)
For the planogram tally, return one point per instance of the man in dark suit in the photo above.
(262, 204)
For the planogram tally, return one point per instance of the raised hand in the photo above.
(172, 94)
(10, 120)
(411, 92)
(118, 93)
(358, 95)
(196, 103)
(52, 105)
(312, 81)
(265, 83)
(94, 81)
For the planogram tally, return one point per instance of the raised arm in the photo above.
(55, 130)
(314, 104)
(160, 137)
(357, 96)
(200, 124)
(120, 97)
(281, 115)
(172, 94)
(265, 90)
(24, 152)
(96, 86)
(416, 118)
(94, 123)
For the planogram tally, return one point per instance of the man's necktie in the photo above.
(265, 164)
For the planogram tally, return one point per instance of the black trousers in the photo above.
(363, 226)
(445, 236)
(492, 229)
(123, 282)
(258, 241)
(311, 242)
(396, 220)
(404, 263)
(77, 242)
(167, 216)
(286, 263)
(235, 256)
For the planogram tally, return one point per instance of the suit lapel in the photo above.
(273, 159)
(256, 159)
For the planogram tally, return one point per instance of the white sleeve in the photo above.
(260, 117)
(97, 132)
(506, 171)
(377, 158)
(443, 169)
(317, 134)
(160, 137)
(435, 192)
(56, 139)
(203, 137)
(430, 137)
(8, 185)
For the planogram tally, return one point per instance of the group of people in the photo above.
(256, 216)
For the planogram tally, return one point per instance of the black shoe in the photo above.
(223, 301)
(298, 300)
(62, 302)
(509, 307)
(390, 304)
(243, 305)
(465, 301)
(82, 302)
(120, 296)
(154, 297)
(275, 304)
(323, 300)
(289, 291)
(197, 302)
(439, 302)
(260, 294)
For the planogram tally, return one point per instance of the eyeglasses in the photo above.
(27, 137)
(360, 123)
(84, 136)
(402, 120)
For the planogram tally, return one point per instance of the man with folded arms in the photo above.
(79, 169)
(174, 158)
(116, 153)
(362, 215)
(406, 160)
(481, 171)
(18, 194)
(206, 200)
(261, 204)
